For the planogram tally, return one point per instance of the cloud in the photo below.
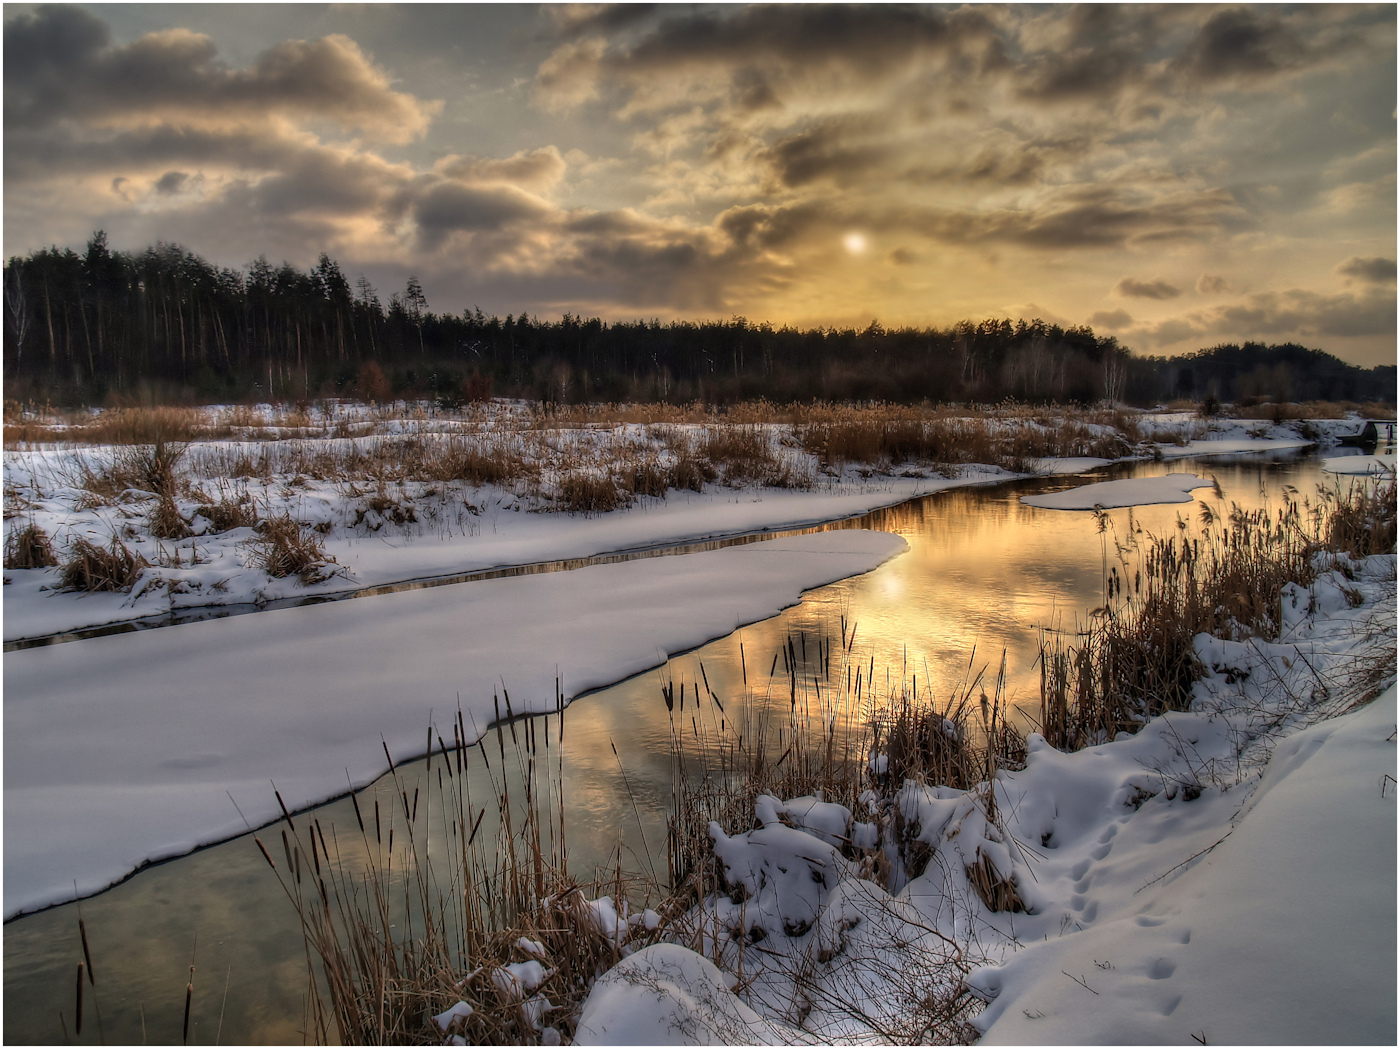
(1111, 320)
(1129, 288)
(579, 19)
(537, 169)
(453, 206)
(1293, 315)
(1377, 270)
(61, 65)
(1244, 44)
(171, 183)
(1211, 284)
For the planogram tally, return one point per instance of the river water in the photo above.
(984, 575)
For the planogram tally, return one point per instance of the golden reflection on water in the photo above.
(984, 573)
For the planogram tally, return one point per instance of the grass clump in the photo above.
(29, 548)
(229, 513)
(587, 492)
(94, 569)
(284, 548)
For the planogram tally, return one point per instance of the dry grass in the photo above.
(418, 907)
(29, 547)
(229, 512)
(92, 568)
(1279, 412)
(587, 492)
(284, 548)
(1136, 658)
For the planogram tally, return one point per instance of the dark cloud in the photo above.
(829, 149)
(171, 182)
(576, 20)
(1111, 320)
(1145, 289)
(1243, 43)
(1211, 284)
(1377, 270)
(449, 207)
(60, 64)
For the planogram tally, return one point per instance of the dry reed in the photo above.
(30, 547)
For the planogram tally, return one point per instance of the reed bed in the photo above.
(426, 905)
(436, 897)
(1224, 577)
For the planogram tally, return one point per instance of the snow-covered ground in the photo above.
(1225, 875)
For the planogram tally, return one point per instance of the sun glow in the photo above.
(855, 243)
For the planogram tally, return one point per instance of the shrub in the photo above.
(229, 513)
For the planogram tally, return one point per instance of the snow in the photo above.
(1136, 491)
(1360, 464)
(120, 749)
(1227, 874)
(1068, 465)
(1283, 934)
(461, 531)
(667, 995)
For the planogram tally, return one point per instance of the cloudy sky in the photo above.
(1177, 176)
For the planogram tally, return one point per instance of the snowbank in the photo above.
(1283, 934)
(1227, 874)
(120, 749)
(1136, 491)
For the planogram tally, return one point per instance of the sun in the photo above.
(855, 243)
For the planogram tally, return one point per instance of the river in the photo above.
(984, 573)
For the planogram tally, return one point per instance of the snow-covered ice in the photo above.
(1135, 491)
(120, 749)
(1360, 464)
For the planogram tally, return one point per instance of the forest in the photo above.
(166, 326)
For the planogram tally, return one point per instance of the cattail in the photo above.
(79, 985)
(283, 807)
(263, 849)
(87, 955)
(189, 997)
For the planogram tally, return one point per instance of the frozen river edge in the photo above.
(125, 750)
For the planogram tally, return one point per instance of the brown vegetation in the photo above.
(283, 547)
(29, 547)
(92, 568)
(1136, 658)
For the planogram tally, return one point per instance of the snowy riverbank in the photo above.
(378, 522)
(1226, 875)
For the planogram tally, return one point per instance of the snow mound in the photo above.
(668, 995)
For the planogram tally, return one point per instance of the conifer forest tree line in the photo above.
(166, 326)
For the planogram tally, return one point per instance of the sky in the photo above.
(1176, 176)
